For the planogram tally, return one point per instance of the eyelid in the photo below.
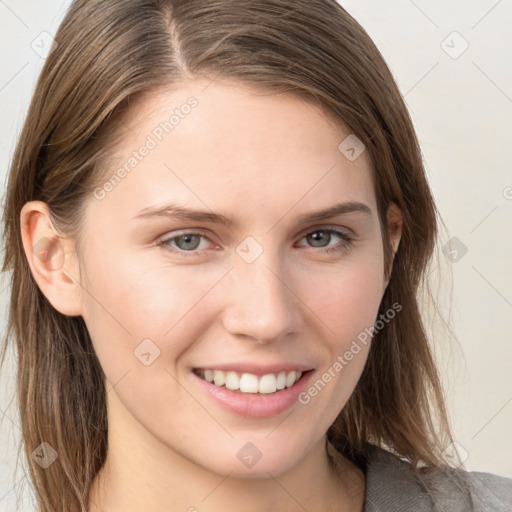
(342, 229)
(171, 235)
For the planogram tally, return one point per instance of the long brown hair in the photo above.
(109, 50)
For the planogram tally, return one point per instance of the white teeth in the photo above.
(268, 384)
(290, 378)
(250, 383)
(232, 380)
(219, 378)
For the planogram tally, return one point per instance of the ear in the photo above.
(51, 258)
(394, 220)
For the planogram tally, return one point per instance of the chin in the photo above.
(253, 456)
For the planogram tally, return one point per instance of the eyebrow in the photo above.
(180, 212)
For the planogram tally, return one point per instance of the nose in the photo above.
(260, 301)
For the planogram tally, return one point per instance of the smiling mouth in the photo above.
(250, 383)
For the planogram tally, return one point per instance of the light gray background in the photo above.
(461, 104)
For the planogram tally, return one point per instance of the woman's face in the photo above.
(254, 284)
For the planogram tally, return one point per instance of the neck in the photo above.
(141, 473)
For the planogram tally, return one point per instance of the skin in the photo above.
(262, 160)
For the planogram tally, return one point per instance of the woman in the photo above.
(217, 221)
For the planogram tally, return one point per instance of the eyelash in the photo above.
(348, 239)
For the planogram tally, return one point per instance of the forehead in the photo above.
(228, 146)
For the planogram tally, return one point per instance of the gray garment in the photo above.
(393, 486)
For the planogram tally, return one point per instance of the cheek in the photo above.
(347, 302)
(131, 311)
(347, 297)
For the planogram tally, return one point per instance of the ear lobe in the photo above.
(51, 259)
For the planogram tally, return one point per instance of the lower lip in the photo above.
(255, 405)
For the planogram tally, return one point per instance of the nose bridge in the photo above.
(260, 302)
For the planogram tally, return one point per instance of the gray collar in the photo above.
(392, 484)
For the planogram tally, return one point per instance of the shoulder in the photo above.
(392, 484)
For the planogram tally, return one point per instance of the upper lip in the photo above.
(257, 369)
